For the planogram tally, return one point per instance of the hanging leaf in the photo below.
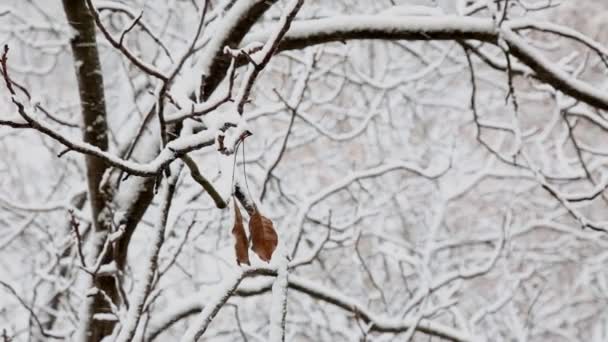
(264, 238)
(241, 244)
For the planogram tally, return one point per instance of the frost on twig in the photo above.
(278, 310)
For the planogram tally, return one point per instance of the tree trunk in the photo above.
(95, 131)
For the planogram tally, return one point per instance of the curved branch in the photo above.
(379, 323)
(306, 33)
(231, 30)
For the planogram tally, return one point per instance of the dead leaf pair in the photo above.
(264, 238)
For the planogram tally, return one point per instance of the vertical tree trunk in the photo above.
(90, 82)
(95, 131)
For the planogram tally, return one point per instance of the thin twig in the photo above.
(31, 311)
(143, 66)
(267, 52)
(76, 227)
(200, 179)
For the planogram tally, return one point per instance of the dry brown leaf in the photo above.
(264, 238)
(241, 244)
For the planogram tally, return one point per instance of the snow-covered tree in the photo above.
(303, 170)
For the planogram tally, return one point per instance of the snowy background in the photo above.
(434, 170)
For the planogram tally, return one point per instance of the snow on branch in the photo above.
(230, 286)
(150, 268)
(257, 65)
(219, 297)
(279, 301)
(172, 150)
(342, 28)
